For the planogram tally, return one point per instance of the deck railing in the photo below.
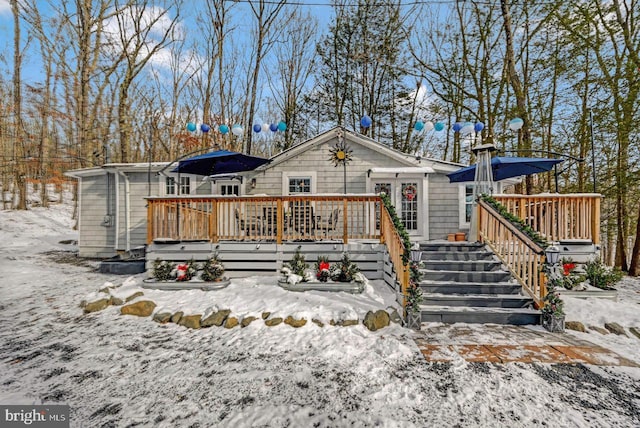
(558, 217)
(391, 238)
(275, 218)
(522, 256)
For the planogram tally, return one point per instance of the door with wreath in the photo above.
(406, 197)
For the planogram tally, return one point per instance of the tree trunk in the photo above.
(634, 266)
(19, 137)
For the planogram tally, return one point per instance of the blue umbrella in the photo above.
(219, 162)
(506, 167)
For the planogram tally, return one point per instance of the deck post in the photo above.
(345, 217)
(279, 221)
(595, 220)
(213, 221)
(150, 221)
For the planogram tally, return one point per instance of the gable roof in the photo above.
(353, 137)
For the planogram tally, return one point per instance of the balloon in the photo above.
(265, 127)
(365, 122)
(419, 126)
(205, 128)
(457, 127)
(439, 126)
(282, 126)
(237, 130)
(516, 124)
(257, 128)
(273, 127)
(428, 126)
(467, 128)
(191, 126)
(224, 129)
(478, 127)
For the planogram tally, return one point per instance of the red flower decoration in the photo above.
(323, 266)
(568, 267)
(182, 272)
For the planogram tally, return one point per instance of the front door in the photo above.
(406, 196)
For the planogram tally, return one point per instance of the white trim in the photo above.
(116, 241)
(404, 171)
(462, 206)
(286, 175)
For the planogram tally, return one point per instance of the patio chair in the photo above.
(250, 227)
(328, 223)
(269, 220)
(302, 218)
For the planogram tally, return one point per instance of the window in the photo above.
(170, 188)
(229, 189)
(468, 203)
(185, 185)
(409, 208)
(299, 185)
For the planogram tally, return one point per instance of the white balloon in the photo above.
(237, 130)
(467, 128)
(265, 128)
(516, 124)
(428, 126)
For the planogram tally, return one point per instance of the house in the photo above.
(113, 205)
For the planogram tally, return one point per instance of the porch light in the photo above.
(552, 253)
(416, 256)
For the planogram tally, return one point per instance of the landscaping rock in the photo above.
(615, 328)
(116, 301)
(134, 296)
(106, 289)
(317, 322)
(598, 329)
(162, 317)
(231, 322)
(376, 320)
(190, 321)
(143, 308)
(294, 322)
(265, 315)
(96, 306)
(347, 323)
(216, 318)
(575, 325)
(247, 320)
(175, 318)
(273, 322)
(394, 317)
(635, 331)
(332, 323)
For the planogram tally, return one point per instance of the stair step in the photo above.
(463, 265)
(463, 276)
(444, 287)
(457, 255)
(451, 246)
(479, 315)
(477, 300)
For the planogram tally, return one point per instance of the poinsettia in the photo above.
(568, 268)
(323, 269)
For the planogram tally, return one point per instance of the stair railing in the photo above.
(522, 256)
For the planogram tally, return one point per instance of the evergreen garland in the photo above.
(399, 225)
(298, 265)
(345, 270)
(516, 221)
(212, 269)
(162, 270)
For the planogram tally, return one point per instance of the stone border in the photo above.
(185, 285)
(348, 287)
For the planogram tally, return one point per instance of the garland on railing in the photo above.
(399, 225)
(516, 221)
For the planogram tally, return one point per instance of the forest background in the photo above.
(85, 82)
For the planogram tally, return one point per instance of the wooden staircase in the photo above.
(464, 282)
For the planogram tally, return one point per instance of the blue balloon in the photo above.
(205, 128)
(365, 122)
(478, 127)
(419, 126)
(457, 127)
(257, 128)
(191, 126)
(282, 126)
(224, 129)
(273, 127)
(439, 126)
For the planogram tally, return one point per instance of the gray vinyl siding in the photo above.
(95, 239)
(138, 191)
(329, 178)
(444, 207)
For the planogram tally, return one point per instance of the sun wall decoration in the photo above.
(341, 155)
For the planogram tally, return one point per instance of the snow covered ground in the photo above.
(118, 370)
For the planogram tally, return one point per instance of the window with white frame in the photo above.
(170, 186)
(299, 185)
(466, 204)
(229, 189)
(185, 185)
